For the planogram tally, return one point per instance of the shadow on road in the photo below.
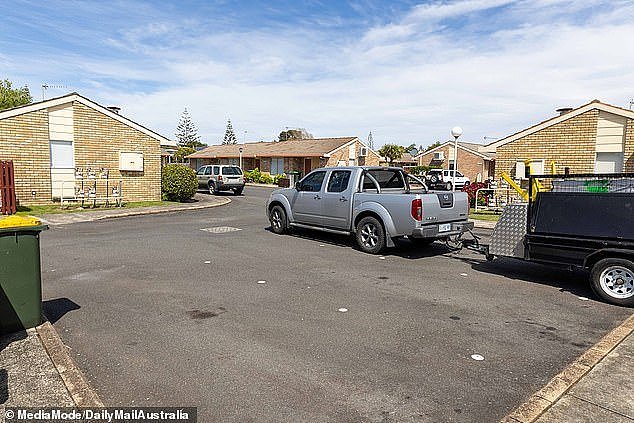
(57, 308)
(5, 340)
(573, 281)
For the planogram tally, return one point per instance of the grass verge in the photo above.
(57, 208)
(484, 215)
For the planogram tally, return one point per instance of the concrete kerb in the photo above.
(251, 184)
(547, 396)
(80, 391)
(168, 209)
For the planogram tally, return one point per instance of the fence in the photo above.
(7, 188)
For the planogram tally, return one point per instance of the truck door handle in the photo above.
(343, 199)
(317, 197)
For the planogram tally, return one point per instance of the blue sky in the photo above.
(407, 71)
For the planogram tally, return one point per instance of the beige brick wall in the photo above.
(24, 139)
(468, 163)
(570, 143)
(98, 139)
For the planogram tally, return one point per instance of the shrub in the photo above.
(276, 178)
(178, 183)
(258, 177)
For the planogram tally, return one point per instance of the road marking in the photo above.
(477, 357)
(207, 262)
(220, 229)
(261, 282)
(343, 310)
(381, 258)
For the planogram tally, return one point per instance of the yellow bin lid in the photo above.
(18, 221)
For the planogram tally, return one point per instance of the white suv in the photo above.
(443, 178)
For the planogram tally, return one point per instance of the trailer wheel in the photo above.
(613, 280)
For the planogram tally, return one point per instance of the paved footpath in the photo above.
(201, 201)
(597, 387)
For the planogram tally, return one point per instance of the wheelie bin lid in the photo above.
(15, 223)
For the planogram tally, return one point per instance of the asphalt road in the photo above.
(159, 312)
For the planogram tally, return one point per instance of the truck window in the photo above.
(312, 182)
(208, 170)
(338, 181)
(387, 178)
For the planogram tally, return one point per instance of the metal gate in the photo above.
(7, 188)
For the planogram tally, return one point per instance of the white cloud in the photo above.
(409, 80)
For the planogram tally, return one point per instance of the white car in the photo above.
(443, 178)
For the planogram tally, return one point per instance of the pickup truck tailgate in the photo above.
(446, 206)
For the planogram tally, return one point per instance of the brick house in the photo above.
(286, 156)
(593, 138)
(472, 162)
(53, 142)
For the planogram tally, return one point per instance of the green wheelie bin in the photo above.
(20, 274)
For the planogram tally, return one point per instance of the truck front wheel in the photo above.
(370, 235)
(613, 280)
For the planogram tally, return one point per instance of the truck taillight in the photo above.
(417, 209)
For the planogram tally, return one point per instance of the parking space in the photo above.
(210, 309)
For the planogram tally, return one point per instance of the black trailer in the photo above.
(584, 221)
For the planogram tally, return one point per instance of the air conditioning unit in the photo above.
(363, 151)
(439, 155)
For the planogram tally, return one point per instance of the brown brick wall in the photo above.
(24, 139)
(372, 159)
(468, 163)
(570, 143)
(98, 141)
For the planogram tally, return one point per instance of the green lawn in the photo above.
(57, 208)
(484, 215)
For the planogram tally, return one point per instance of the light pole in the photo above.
(240, 150)
(456, 131)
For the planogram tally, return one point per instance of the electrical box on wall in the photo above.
(131, 161)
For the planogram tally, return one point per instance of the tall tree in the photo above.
(412, 149)
(187, 132)
(391, 152)
(434, 145)
(230, 136)
(13, 97)
(295, 134)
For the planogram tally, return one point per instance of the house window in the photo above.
(608, 163)
(277, 166)
(62, 156)
(537, 168)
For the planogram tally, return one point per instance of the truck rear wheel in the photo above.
(370, 235)
(612, 279)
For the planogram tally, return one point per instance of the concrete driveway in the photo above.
(158, 311)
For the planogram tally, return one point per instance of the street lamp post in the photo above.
(240, 157)
(456, 131)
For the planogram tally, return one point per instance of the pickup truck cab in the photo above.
(376, 204)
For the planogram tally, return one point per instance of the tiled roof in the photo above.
(315, 147)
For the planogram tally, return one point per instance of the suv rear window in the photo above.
(386, 178)
(231, 170)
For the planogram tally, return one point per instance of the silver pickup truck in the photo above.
(376, 204)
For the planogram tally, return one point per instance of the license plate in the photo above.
(445, 227)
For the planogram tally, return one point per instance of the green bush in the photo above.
(258, 177)
(178, 183)
(276, 178)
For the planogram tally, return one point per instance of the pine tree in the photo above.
(230, 136)
(187, 132)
